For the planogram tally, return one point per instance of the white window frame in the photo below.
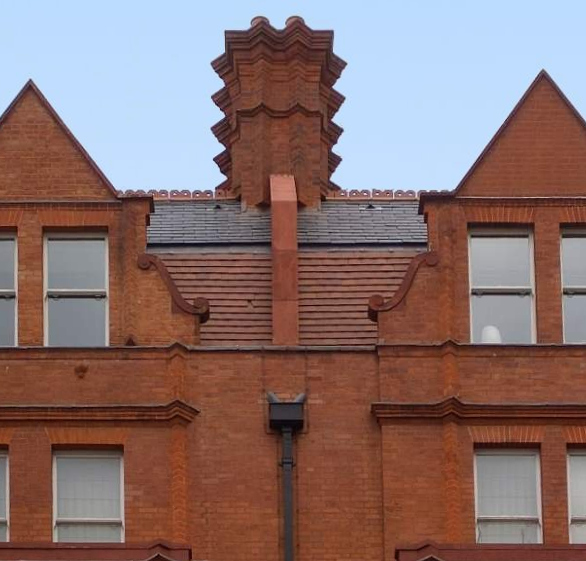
(577, 452)
(6, 521)
(529, 290)
(509, 452)
(88, 454)
(14, 292)
(569, 290)
(102, 293)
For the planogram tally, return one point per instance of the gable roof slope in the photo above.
(540, 149)
(41, 159)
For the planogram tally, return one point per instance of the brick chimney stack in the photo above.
(279, 101)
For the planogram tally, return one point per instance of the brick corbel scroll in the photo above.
(200, 306)
(377, 303)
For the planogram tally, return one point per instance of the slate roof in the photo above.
(349, 223)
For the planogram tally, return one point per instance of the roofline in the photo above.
(30, 85)
(543, 75)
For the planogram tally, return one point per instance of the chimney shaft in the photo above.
(278, 100)
(285, 260)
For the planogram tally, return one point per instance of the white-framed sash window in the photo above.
(508, 496)
(573, 254)
(8, 291)
(76, 290)
(502, 290)
(577, 495)
(4, 497)
(88, 496)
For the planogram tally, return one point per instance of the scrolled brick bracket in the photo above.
(200, 306)
(377, 303)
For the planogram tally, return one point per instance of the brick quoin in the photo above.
(393, 412)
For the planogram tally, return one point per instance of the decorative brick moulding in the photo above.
(453, 408)
(174, 410)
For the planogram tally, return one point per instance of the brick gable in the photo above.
(40, 159)
(540, 150)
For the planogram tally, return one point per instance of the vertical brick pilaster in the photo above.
(554, 489)
(548, 302)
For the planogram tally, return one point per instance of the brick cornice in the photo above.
(431, 551)
(481, 350)
(174, 410)
(453, 408)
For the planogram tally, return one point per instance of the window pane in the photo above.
(76, 263)
(577, 485)
(578, 532)
(89, 533)
(506, 485)
(508, 532)
(77, 322)
(88, 487)
(3, 532)
(500, 261)
(509, 313)
(6, 264)
(2, 487)
(574, 261)
(575, 318)
(7, 317)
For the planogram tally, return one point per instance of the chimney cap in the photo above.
(292, 19)
(257, 20)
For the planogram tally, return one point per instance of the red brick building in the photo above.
(283, 369)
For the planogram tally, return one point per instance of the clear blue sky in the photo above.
(427, 84)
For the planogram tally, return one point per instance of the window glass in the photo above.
(77, 322)
(506, 485)
(76, 298)
(507, 500)
(88, 502)
(7, 293)
(6, 264)
(3, 501)
(509, 313)
(89, 533)
(577, 499)
(88, 487)
(574, 261)
(500, 261)
(7, 320)
(575, 318)
(508, 532)
(76, 263)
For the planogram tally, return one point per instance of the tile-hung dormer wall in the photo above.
(74, 247)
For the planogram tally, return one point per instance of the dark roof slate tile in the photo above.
(336, 223)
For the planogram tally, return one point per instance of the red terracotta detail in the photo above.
(377, 303)
(278, 96)
(285, 260)
(200, 306)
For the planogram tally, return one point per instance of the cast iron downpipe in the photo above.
(287, 417)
